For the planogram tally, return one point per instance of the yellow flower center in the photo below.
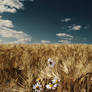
(51, 85)
(37, 87)
(56, 81)
(38, 79)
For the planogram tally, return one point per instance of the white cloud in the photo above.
(64, 41)
(63, 35)
(66, 20)
(6, 31)
(10, 5)
(5, 23)
(75, 27)
(20, 37)
(64, 38)
(45, 41)
(22, 40)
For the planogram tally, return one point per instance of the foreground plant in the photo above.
(55, 81)
(51, 62)
(37, 87)
(49, 86)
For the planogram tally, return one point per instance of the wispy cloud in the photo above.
(64, 37)
(64, 41)
(66, 20)
(5, 24)
(45, 41)
(7, 30)
(10, 5)
(75, 27)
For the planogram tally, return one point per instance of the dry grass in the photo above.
(21, 64)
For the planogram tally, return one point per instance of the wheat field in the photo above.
(22, 64)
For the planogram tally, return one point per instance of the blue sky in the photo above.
(45, 21)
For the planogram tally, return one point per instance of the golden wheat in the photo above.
(22, 64)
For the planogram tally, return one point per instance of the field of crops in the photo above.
(45, 68)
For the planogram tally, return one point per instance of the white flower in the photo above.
(51, 62)
(55, 86)
(37, 87)
(55, 81)
(49, 86)
(49, 59)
